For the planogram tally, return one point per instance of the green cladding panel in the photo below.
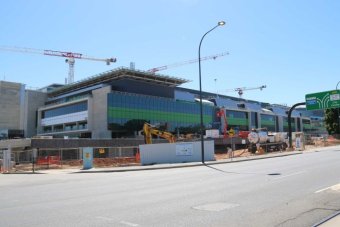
(124, 107)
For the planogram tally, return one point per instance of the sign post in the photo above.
(34, 158)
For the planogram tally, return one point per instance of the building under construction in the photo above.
(107, 112)
(116, 103)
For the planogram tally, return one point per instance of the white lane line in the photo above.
(128, 223)
(335, 187)
(104, 218)
(216, 206)
(289, 175)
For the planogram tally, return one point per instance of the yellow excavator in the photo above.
(150, 130)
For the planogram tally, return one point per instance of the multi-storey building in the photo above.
(116, 104)
(18, 110)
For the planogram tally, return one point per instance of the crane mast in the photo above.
(70, 57)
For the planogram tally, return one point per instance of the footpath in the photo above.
(183, 165)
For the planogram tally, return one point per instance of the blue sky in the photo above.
(292, 47)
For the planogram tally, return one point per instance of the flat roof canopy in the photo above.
(117, 74)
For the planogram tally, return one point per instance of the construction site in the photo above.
(117, 111)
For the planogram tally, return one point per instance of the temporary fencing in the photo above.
(23, 160)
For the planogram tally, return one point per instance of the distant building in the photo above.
(18, 108)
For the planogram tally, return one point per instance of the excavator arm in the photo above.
(150, 130)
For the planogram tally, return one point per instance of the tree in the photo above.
(331, 121)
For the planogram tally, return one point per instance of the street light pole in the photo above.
(221, 23)
(336, 88)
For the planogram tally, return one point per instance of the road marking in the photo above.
(289, 175)
(216, 206)
(105, 218)
(335, 187)
(128, 223)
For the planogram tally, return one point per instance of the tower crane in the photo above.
(70, 57)
(240, 90)
(164, 67)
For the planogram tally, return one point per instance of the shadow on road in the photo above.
(223, 171)
(232, 172)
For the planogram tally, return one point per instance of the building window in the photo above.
(58, 128)
(254, 120)
(268, 121)
(285, 124)
(47, 129)
(238, 120)
(78, 107)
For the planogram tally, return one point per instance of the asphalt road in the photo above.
(296, 190)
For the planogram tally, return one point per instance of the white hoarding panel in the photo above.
(176, 152)
(184, 149)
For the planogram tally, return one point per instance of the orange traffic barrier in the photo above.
(46, 160)
(137, 156)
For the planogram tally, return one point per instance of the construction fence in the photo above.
(26, 160)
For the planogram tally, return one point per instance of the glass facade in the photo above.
(254, 121)
(306, 125)
(237, 120)
(299, 124)
(285, 124)
(129, 112)
(69, 99)
(78, 107)
(269, 122)
(11, 134)
(318, 126)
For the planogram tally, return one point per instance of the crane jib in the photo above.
(62, 54)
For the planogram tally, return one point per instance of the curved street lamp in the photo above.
(221, 23)
(336, 88)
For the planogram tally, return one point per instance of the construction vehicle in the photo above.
(221, 113)
(164, 67)
(70, 57)
(150, 130)
(231, 132)
(261, 138)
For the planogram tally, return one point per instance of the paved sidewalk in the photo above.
(332, 221)
(190, 164)
(182, 165)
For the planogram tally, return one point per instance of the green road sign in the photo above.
(323, 100)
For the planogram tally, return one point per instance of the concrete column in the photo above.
(280, 119)
(249, 120)
(39, 126)
(80, 153)
(97, 110)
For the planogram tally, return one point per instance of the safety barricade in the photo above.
(48, 160)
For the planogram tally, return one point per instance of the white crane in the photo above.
(164, 67)
(70, 57)
(240, 90)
